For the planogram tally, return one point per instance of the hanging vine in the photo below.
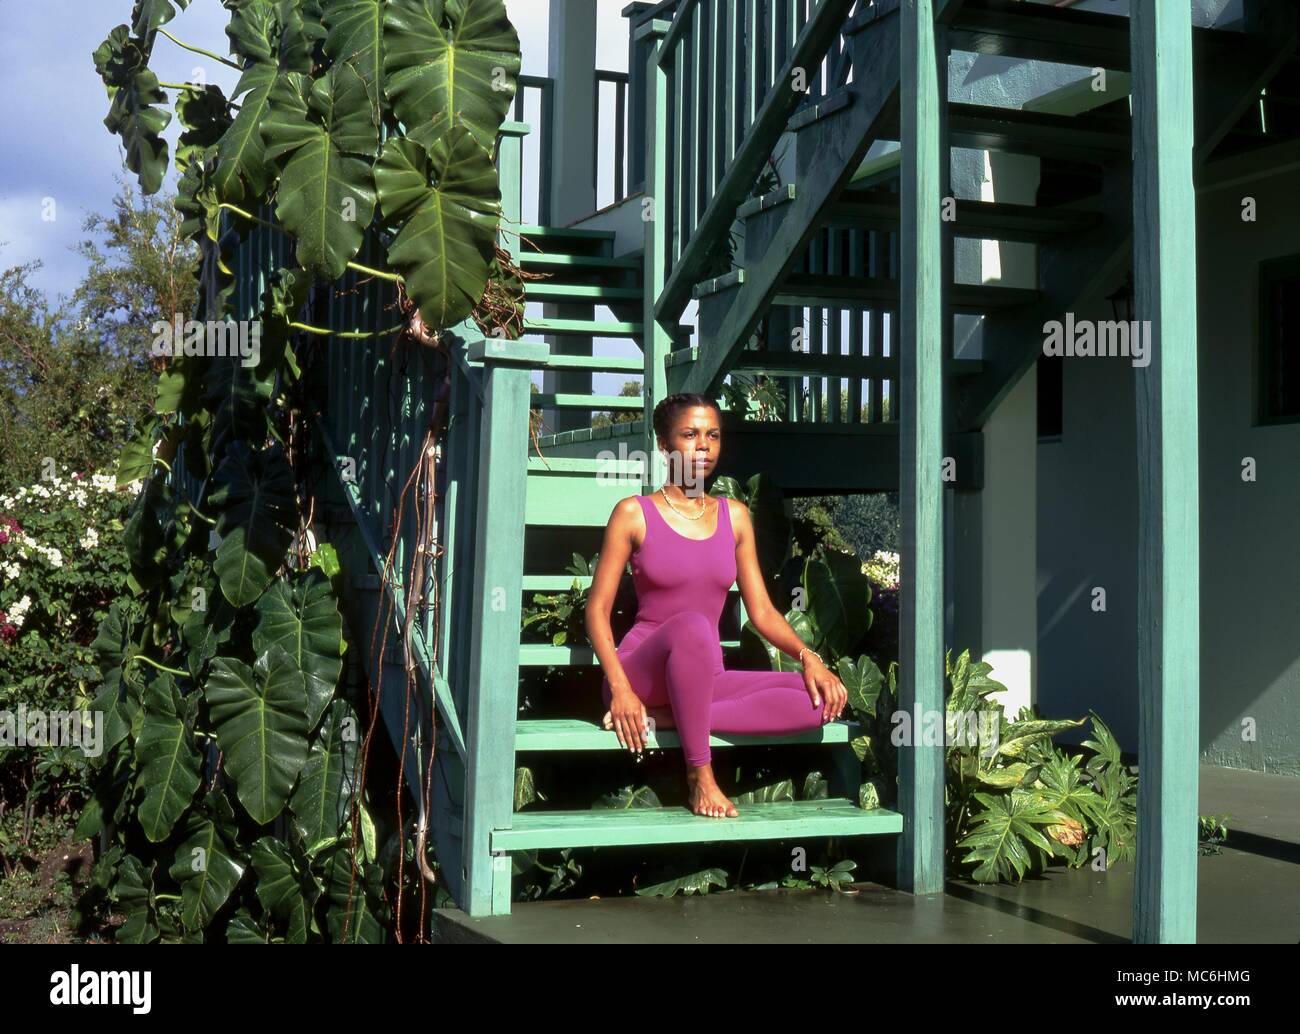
(230, 797)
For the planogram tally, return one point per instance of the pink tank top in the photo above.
(673, 573)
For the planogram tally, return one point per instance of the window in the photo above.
(1279, 340)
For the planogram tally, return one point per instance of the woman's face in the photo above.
(693, 443)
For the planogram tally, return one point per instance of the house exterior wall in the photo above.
(1250, 556)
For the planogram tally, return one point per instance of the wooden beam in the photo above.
(657, 341)
(921, 646)
(1169, 672)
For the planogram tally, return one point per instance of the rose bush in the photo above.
(61, 565)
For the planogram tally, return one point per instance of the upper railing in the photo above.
(734, 72)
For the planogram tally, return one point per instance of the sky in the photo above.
(57, 161)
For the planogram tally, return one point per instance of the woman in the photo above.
(687, 548)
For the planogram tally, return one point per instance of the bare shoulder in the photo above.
(738, 512)
(627, 514)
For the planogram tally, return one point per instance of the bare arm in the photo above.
(626, 525)
(823, 685)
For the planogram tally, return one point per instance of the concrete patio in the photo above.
(1249, 893)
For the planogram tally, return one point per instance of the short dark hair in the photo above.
(666, 412)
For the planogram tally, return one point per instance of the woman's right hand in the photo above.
(628, 715)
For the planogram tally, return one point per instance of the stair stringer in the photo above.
(1071, 271)
(828, 153)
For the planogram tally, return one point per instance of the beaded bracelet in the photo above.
(808, 649)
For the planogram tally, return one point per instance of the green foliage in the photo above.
(230, 790)
(61, 565)
(1212, 833)
(76, 373)
(561, 617)
(318, 82)
(694, 883)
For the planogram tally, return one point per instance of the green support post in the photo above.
(510, 170)
(1164, 256)
(657, 341)
(497, 604)
(921, 646)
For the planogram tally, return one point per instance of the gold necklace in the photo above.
(679, 513)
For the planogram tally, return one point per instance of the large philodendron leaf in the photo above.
(255, 493)
(242, 176)
(122, 688)
(450, 61)
(448, 204)
(838, 595)
(322, 801)
(206, 866)
(863, 681)
(285, 887)
(260, 718)
(134, 892)
(235, 396)
(148, 15)
(356, 35)
(779, 660)
(133, 91)
(254, 30)
(356, 912)
(167, 765)
(302, 618)
(205, 114)
(323, 136)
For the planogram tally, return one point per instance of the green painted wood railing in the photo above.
(736, 71)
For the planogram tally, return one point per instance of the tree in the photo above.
(76, 374)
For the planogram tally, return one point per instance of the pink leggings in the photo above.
(678, 663)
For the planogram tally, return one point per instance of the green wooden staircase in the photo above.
(820, 252)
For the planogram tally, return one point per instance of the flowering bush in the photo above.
(61, 565)
(882, 639)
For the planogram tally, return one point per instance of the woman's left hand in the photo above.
(824, 687)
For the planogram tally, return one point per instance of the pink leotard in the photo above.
(673, 656)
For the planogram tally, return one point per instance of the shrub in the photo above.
(61, 566)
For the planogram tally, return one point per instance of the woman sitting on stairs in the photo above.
(669, 664)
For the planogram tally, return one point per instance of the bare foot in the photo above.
(706, 797)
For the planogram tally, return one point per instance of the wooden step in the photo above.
(566, 233)
(986, 220)
(818, 364)
(808, 290)
(596, 294)
(595, 363)
(1039, 32)
(1067, 36)
(573, 497)
(1084, 139)
(611, 827)
(583, 328)
(563, 400)
(566, 734)
(550, 261)
(629, 468)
